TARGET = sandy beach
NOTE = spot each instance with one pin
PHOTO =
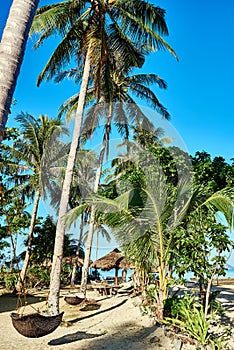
(117, 325)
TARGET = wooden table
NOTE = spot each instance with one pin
(105, 288)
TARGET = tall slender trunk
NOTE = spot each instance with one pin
(97, 239)
(13, 242)
(162, 292)
(20, 284)
(53, 300)
(73, 276)
(12, 48)
(13, 246)
(89, 241)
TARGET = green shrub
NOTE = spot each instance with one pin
(215, 305)
(37, 276)
(190, 318)
(11, 279)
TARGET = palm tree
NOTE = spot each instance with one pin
(94, 31)
(30, 156)
(13, 45)
(125, 111)
(83, 174)
(144, 220)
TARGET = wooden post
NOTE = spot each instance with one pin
(124, 275)
(116, 275)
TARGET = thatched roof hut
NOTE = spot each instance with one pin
(109, 261)
(113, 260)
(125, 264)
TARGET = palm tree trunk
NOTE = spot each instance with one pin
(162, 292)
(53, 300)
(89, 241)
(73, 276)
(97, 239)
(20, 284)
(12, 48)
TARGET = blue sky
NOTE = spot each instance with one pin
(200, 86)
(200, 92)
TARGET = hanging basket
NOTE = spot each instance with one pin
(73, 300)
(35, 325)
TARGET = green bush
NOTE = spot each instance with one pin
(215, 305)
(190, 318)
(11, 279)
(37, 276)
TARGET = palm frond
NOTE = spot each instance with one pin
(146, 79)
(148, 95)
(222, 201)
(74, 214)
(121, 43)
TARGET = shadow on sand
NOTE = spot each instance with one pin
(98, 313)
(120, 340)
(9, 301)
(70, 338)
(112, 342)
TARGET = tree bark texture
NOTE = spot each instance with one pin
(20, 284)
(12, 49)
(89, 241)
(75, 265)
(53, 300)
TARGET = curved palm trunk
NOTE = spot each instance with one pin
(73, 276)
(12, 48)
(53, 300)
(89, 241)
(20, 284)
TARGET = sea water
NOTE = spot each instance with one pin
(188, 276)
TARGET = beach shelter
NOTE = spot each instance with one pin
(125, 265)
(109, 261)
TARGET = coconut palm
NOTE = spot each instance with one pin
(123, 109)
(146, 232)
(83, 174)
(94, 31)
(31, 157)
(13, 46)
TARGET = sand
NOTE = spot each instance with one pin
(117, 325)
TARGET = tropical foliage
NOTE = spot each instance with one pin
(97, 35)
(170, 212)
(149, 217)
(29, 162)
